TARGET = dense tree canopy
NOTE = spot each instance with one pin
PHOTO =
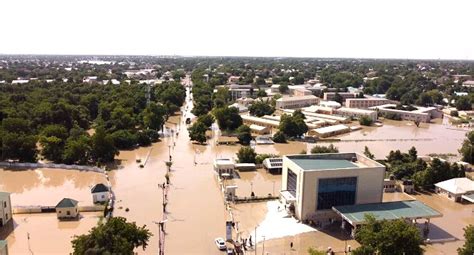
(115, 236)
(246, 155)
(292, 125)
(467, 149)
(468, 247)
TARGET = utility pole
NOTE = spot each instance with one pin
(263, 246)
(255, 240)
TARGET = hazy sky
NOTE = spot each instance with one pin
(332, 28)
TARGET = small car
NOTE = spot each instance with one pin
(220, 243)
(230, 251)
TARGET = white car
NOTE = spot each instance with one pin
(220, 243)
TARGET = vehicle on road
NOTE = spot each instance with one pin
(220, 243)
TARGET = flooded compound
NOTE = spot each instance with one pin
(195, 208)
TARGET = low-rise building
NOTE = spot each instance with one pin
(408, 186)
(100, 193)
(421, 114)
(331, 96)
(302, 92)
(469, 84)
(365, 102)
(331, 104)
(316, 183)
(259, 130)
(224, 166)
(357, 113)
(270, 124)
(390, 184)
(328, 131)
(296, 102)
(5, 208)
(273, 165)
(457, 189)
(67, 208)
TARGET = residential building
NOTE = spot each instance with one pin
(5, 208)
(314, 184)
(67, 208)
(275, 88)
(238, 91)
(357, 113)
(296, 102)
(245, 101)
(233, 79)
(457, 189)
(302, 92)
(90, 79)
(3, 247)
(259, 130)
(273, 165)
(100, 193)
(365, 102)
(408, 186)
(331, 96)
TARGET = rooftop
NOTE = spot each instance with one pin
(330, 129)
(332, 161)
(412, 209)
(457, 185)
(296, 98)
(66, 203)
(99, 188)
(311, 164)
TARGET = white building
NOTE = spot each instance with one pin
(100, 193)
(422, 114)
(315, 183)
(273, 165)
(296, 102)
(5, 208)
(365, 102)
(224, 166)
(457, 189)
(329, 131)
(357, 113)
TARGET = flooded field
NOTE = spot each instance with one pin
(427, 138)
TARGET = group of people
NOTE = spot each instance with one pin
(244, 242)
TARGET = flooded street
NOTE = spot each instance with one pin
(196, 211)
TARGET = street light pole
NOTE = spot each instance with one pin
(255, 240)
(263, 246)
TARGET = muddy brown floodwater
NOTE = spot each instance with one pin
(195, 211)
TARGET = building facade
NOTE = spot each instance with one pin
(364, 103)
(296, 102)
(357, 113)
(5, 208)
(100, 193)
(315, 183)
(67, 208)
(331, 96)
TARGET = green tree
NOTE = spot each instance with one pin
(388, 237)
(463, 103)
(324, 149)
(365, 121)
(468, 247)
(279, 137)
(261, 93)
(244, 134)
(246, 155)
(292, 126)
(228, 118)
(467, 149)
(153, 116)
(260, 108)
(206, 119)
(52, 140)
(367, 153)
(77, 150)
(115, 236)
(102, 146)
(283, 88)
(197, 132)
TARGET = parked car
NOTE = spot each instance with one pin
(230, 251)
(220, 243)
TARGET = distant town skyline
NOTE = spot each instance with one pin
(327, 29)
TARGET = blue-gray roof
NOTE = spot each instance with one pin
(67, 203)
(411, 209)
(323, 164)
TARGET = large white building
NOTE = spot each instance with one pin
(296, 102)
(457, 189)
(316, 183)
(5, 208)
(421, 114)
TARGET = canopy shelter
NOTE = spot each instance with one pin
(411, 209)
(469, 197)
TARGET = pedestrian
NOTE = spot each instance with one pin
(291, 245)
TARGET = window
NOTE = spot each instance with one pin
(291, 182)
(4, 204)
(68, 213)
(336, 191)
